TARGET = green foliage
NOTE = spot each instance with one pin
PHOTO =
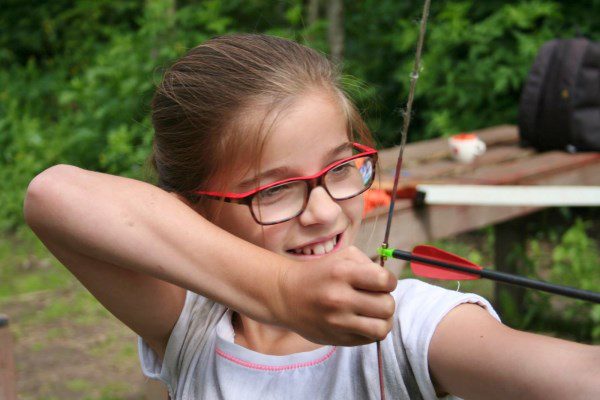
(576, 258)
(576, 262)
(473, 69)
(77, 77)
(475, 59)
(44, 32)
(562, 250)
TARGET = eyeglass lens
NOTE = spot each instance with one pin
(282, 202)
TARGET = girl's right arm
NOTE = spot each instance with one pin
(136, 248)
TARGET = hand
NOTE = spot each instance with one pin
(342, 299)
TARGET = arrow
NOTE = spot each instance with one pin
(431, 262)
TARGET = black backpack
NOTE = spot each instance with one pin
(560, 102)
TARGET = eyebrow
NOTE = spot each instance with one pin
(284, 170)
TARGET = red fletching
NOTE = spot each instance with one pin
(429, 271)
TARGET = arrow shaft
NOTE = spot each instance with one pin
(504, 277)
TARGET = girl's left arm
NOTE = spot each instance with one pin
(473, 356)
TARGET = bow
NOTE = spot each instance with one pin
(404, 134)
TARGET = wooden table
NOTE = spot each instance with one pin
(504, 163)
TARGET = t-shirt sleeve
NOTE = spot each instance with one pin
(420, 308)
(191, 332)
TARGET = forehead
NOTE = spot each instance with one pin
(308, 129)
(296, 138)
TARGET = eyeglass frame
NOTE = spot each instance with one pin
(312, 181)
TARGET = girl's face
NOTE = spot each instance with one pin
(307, 137)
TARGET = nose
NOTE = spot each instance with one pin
(320, 209)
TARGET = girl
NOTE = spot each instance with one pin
(254, 134)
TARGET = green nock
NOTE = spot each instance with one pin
(388, 253)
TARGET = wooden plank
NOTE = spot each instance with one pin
(428, 150)
(530, 168)
(448, 167)
(8, 375)
(440, 171)
(502, 154)
(588, 174)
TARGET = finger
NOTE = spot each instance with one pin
(373, 278)
(373, 305)
(348, 340)
(353, 253)
(371, 329)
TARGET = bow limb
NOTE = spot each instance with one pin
(406, 120)
(404, 134)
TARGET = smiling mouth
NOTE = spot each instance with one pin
(317, 249)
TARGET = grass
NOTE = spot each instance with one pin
(26, 266)
(67, 346)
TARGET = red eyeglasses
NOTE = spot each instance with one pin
(286, 199)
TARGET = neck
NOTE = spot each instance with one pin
(268, 339)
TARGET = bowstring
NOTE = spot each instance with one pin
(414, 76)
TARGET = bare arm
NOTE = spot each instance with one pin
(475, 357)
(136, 247)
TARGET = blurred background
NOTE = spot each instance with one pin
(76, 78)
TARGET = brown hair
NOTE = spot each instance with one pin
(205, 110)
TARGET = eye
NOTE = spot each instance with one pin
(343, 169)
(273, 193)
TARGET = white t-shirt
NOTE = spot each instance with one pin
(203, 362)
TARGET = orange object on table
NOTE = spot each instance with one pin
(375, 198)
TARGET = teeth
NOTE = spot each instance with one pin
(317, 249)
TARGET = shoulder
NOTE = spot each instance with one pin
(413, 294)
(420, 307)
(194, 327)
(411, 287)
(198, 318)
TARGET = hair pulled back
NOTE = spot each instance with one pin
(204, 111)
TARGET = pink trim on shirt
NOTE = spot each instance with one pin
(271, 367)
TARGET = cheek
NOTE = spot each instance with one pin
(353, 209)
(237, 220)
(274, 236)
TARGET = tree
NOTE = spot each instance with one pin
(335, 33)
